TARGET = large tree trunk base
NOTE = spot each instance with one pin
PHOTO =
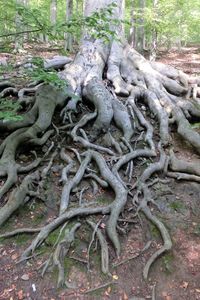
(106, 138)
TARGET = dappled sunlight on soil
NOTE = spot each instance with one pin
(187, 60)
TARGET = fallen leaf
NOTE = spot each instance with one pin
(102, 225)
(125, 297)
(20, 295)
(25, 277)
(164, 294)
(14, 256)
(106, 293)
(115, 277)
(184, 285)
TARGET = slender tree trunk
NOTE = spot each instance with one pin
(19, 38)
(140, 44)
(26, 35)
(68, 36)
(53, 13)
(153, 49)
(132, 33)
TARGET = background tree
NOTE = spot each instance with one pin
(69, 13)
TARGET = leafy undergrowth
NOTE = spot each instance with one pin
(175, 276)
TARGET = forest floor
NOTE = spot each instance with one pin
(175, 276)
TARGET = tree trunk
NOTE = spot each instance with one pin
(132, 34)
(140, 44)
(19, 38)
(68, 36)
(153, 49)
(53, 14)
(127, 107)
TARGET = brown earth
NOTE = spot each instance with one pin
(175, 276)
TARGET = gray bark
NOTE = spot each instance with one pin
(154, 38)
(53, 12)
(140, 43)
(19, 38)
(132, 33)
(68, 36)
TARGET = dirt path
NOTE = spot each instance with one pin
(175, 276)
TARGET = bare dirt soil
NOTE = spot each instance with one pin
(175, 276)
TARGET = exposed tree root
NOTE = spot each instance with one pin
(18, 197)
(183, 166)
(46, 230)
(71, 184)
(100, 287)
(104, 249)
(61, 251)
(165, 236)
(133, 257)
(183, 176)
(108, 142)
(19, 231)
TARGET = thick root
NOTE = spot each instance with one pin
(104, 249)
(144, 84)
(18, 197)
(167, 245)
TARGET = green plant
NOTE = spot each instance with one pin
(9, 109)
(196, 230)
(195, 125)
(49, 77)
(177, 206)
(167, 262)
(154, 231)
(46, 76)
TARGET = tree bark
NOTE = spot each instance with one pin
(18, 39)
(68, 36)
(140, 42)
(53, 12)
(153, 48)
(132, 33)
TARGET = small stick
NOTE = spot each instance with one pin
(154, 292)
(79, 259)
(100, 287)
(20, 231)
(91, 242)
(146, 247)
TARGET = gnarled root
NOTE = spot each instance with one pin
(167, 245)
(46, 230)
(60, 252)
(145, 84)
(179, 165)
(104, 248)
(47, 99)
(18, 197)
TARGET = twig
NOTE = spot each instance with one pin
(154, 292)
(91, 242)
(104, 248)
(100, 287)
(79, 259)
(146, 247)
(20, 231)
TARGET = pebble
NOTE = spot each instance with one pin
(25, 277)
